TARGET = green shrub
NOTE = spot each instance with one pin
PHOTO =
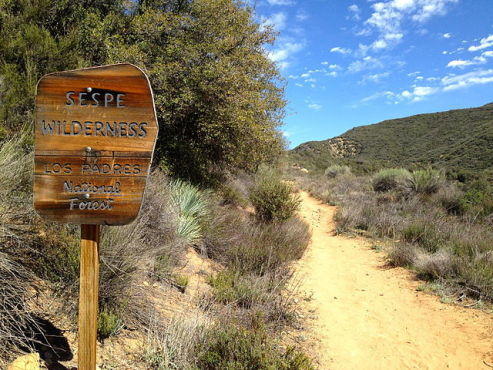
(424, 234)
(231, 287)
(336, 170)
(232, 196)
(272, 198)
(229, 347)
(477, 199)
(390, 179)
(192, 209)
(109, 324)
(180, 281)
(427, 181)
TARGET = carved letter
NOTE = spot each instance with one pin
(119, 100)
(70, 101)
(107, 99)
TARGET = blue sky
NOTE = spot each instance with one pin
(351, 63)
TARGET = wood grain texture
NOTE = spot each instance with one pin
(88, 296)
(97, 128)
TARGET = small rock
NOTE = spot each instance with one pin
(26, 362)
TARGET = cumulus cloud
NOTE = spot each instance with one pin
(484, 43)
(447, 35)
(277, 21)
(387, 18)
(340, 50)
(284, 52)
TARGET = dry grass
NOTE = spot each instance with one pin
(15, 317)
(174, 344)
(151, 250)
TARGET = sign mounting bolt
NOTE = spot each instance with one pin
(88, 148)
(89, 89)
(87, 196)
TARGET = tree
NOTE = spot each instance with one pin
(219, 99)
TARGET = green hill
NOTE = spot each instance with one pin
(455, 139)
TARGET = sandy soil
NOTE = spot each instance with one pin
(368, 316)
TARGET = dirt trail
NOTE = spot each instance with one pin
(368, 316)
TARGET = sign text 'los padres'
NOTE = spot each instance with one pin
(95, 134)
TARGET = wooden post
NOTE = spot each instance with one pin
(88, 296)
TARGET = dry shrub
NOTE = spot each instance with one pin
(337, 170)
(174, 344)
(246, 245)
(15, 318)
(403, 255)
(439, 265)
(268, 294)
(129, 253)
(234, 190)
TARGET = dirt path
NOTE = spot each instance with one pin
(367, 316)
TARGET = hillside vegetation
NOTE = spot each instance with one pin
(457, 140)
(200, 280)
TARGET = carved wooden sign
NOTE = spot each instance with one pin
(95, 132)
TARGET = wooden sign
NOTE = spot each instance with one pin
(95, 133)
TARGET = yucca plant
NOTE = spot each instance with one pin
(192, 209)
(426, 181)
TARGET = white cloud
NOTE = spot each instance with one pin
(355, 11)
(286, 133)
(484, 43)
(277, 21)
(314, 106)
(367, 62)
(340, 50)
(332, 74)
(447, 35)
(479, 77)
(280, 2)
(377, 77)
(284, 52)
(387, 94)
(301, 15)
(416, 94)
(388, 16)
(481, 59)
